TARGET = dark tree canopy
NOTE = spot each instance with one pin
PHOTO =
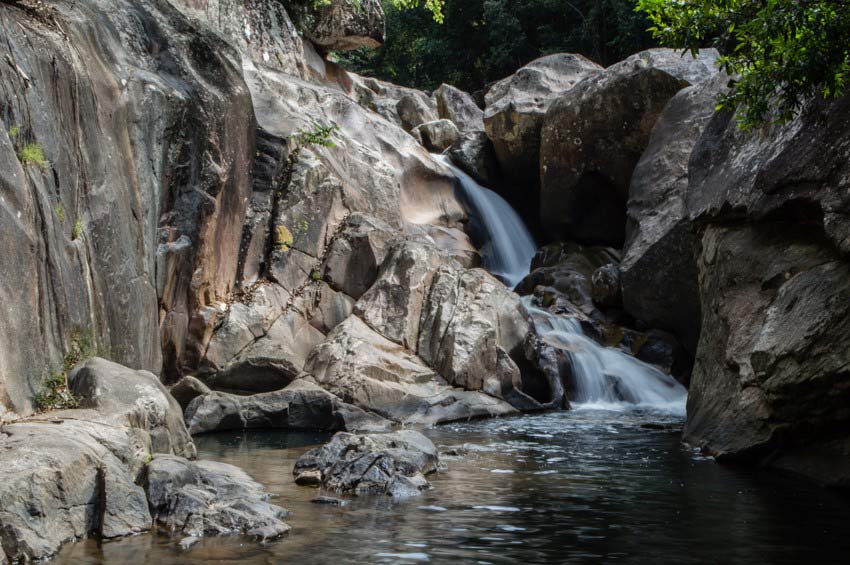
(781, 52)
(480, 41)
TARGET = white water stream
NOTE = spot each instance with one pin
(602, 377)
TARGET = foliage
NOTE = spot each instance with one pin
(78, 230)
(283, 238)
(54, 393)
(14, 132)
(60, 212)
(481, 41)
(315, 275)
(33, 154)
(781, 52)
(321, 135)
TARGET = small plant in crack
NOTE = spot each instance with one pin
(78, 230)
(60, 212)
(33, 154)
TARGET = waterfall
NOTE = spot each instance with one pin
(604, 377)
(508, 248)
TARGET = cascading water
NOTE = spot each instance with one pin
(602, 377)
(509, 247)
(605, 377)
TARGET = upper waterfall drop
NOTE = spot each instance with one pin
(509, 248)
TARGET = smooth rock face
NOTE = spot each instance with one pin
(340, 25)
(300, 406)
(457, 106)
(770, 381)
(202, 498)
(594, 135)
(394, 464)
(659, 274)
(135, 399)
(436, 136)
(188, 389)
(516, 106)
(414, 111)
(367, 370)
(140, 149)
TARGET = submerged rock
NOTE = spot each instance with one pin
(394, 464)
(300, 406)
(204, 498)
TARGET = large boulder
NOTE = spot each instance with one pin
(436, 136)
(516, 106)
(74, 474)
(770, 382)
(203, 498)
(473, 154)
(594, 135)
(134, 399)
(341, 25)
(459, 107)
(659, 274)
(367, 370)
(300, 406)
(394, 464)
(414, 111)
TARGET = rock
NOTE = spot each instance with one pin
(187, 389)
(588, 155)
(472, 331)
(473, 154)
(515, 108)
(74, 475)
(64, 480)
(342, 25)
(606, 290)
(658, 271)
(309, 479)
(203, 498)
(393, 306)
(457, 106)
(675, 62)
(367, 370)
(353, 260)
(135, 399)
(436, 136)
(300, 406)
(770, 379)
(328, 500)
(107, 178)
(394, 464)
(414, 111)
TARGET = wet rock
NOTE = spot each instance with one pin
(473, 154)
(341, 25)
(516, 106)
(394, 464)
(588, 155)
(203, 498)
(300, 406)
(329, 500)
(187, 389)
(606, 290)
(457, 106)
(659, 272)
(436, 136)
(367, 370)
(413, 111)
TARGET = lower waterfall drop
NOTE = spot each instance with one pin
(605, 377)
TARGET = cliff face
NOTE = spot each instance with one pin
(133, 220)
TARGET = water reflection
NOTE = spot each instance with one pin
(583, 486)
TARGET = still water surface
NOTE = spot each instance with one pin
(569, 487)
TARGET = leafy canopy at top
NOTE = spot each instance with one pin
(780, 52)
